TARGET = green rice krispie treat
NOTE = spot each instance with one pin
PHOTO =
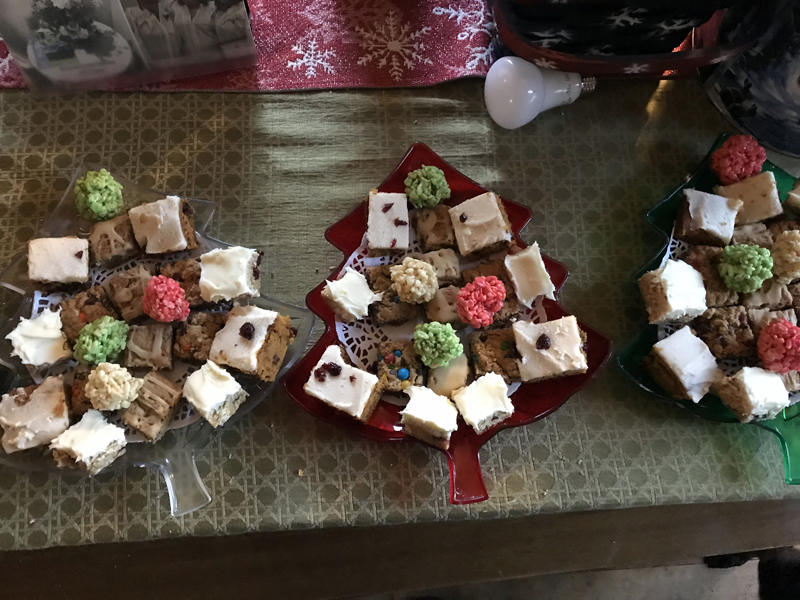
(98, 196)
(427, 187)
(745, 268)
(101, 341)
(437, 344)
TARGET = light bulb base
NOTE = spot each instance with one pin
(588, 84)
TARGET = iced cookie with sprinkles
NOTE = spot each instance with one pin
(342, 386)
(83, 308)
(350, 296)
(154, 407)
(399, 365)
(58, 260)
(112, 239)
(481, 225)
(429, 417)
(387, 223)
(214, 393)
(40, 341)
(149, 346)
(434, 228)
(228, 273)
(194, 337)
(389, 310)
(90, 445)
(164, 226)
(34, 415)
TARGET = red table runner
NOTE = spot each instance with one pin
(322, 44)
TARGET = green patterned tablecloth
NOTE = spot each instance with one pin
(283, 168)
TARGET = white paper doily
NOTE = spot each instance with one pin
(361, 338)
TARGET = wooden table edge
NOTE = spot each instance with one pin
(343, 562)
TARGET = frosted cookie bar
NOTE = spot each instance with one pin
(481, 225)
(58, 260)
(387, 223)
(429, 417)
(706, 218)
(484, 402)
(550, 349)
(90, 445)
(529, 275)
(40, 341)
(342, 386)
(164, 226)
(753, 393)
(673, 292)
(154, 407)
(112, 239)
(759, 195)
(350, 296)
(683, 365)
(34, 415)
(228, 273)
(214, 393)
(253, 341)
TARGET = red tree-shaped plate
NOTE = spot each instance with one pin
(531, 401)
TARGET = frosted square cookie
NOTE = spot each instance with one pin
(429, 417)
(753, 393)
(759, 195)
(350, 296)
(34, 415)
(40, 341)
(683, 365)
(342, 386)
(484, 402)
(214, 393)
(387, 223)
(706, 218)
(673, 292)
(164, 226)
(228, 273)
(550, 349)
(90, 445)
(529, 275)
(481, 225)
(58, 260)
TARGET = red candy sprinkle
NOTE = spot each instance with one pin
(739, 157)
(164, 300)
(779, 346)
(478, 301)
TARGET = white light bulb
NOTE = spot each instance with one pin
(516, 91)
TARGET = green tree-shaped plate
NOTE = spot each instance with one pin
(662, 217)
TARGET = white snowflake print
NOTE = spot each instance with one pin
(626, 17)
(546, 39)
(544, 63)
(393, 43)
(636, 68)
(479, 29)
(666, 27)
(312, 58)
